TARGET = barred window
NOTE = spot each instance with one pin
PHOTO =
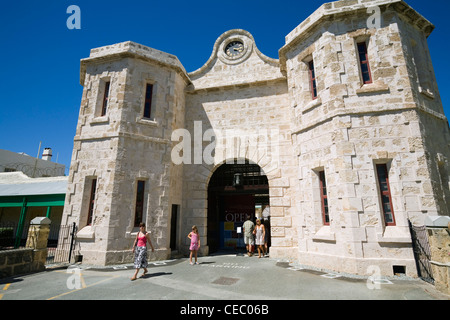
(324, 198)
(385, 193)
(312, 80)
(92, 202)
(139, 211)
(148, 101)
(364, 63)
(105, 99)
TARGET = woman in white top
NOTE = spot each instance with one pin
(260, 233)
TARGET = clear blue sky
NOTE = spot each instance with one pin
(40, 56)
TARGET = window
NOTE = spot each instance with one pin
(105, 98)
(173, 226)
(422, 69)
(364, 63)
(139, 211)
(443, 173)
(148, 101)
(385, 192)
(312, 80)
(91, 202)
(324, 198)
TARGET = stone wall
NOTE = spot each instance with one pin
(351, 127)
(29, 259)
(17, 261)
(122, 147)
(439, 241)
(243, 100)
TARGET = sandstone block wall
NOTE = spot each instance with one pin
(122, 147)
(353, 126)
(439, 240)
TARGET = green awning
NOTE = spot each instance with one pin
(53, 200)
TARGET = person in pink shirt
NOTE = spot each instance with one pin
(195, 244)
(140, 250)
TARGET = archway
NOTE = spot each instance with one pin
(234, 190)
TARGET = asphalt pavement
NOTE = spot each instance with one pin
(222, 277)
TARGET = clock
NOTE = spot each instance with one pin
(234, 48)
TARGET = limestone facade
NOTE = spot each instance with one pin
(241, 96)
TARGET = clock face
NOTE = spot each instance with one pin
(234, 48)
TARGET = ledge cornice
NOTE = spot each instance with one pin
(333, 10)
(131, 49)
(217, 45)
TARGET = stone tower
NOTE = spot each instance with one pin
(133, 99)
(374, 128)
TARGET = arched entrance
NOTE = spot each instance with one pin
(234, 190)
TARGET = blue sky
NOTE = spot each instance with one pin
(39, 82)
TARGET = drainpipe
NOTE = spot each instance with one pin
(49, 211)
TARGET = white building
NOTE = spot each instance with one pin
(344, 136)
(31, 166)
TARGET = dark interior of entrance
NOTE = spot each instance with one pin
(235, 190)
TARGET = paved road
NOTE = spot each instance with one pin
(220, 277)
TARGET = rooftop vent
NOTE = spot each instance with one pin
(47, 154)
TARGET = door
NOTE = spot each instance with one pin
(173, 227)
(236, 209)
(230, 199)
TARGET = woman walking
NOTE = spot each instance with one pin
(140, 250)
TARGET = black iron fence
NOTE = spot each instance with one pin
(63, 250)
(422, 252)
(8, 235)
(61, 242)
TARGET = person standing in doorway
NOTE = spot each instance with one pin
(140, 250)
(266, 223)
(260, 234)
(248, 234)
(195, 244)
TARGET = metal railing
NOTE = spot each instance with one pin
(63, 250)
(60, 245)
(422, 252)
(7, 235)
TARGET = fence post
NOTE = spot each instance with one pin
(37, 239)
(439, 238)
(72, 238)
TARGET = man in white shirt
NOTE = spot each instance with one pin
(248, 235)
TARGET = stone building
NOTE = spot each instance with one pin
(344, 137)
(31, 166)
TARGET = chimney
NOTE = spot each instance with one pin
(47, 154)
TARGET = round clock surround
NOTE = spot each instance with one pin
(235, 48)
